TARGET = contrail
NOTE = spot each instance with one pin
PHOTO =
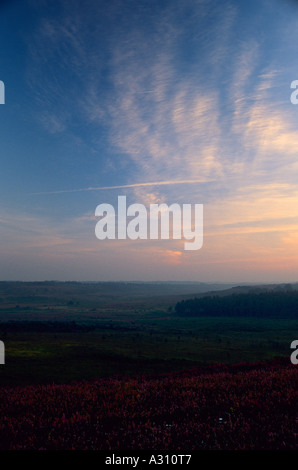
(145, 91)
(135, 185)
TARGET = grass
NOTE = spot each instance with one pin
(134, 331)
(150, 344)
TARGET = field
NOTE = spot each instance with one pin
(102, 360)
(71, 333)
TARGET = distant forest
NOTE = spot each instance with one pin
(261, 305)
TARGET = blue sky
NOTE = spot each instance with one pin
(101, 94)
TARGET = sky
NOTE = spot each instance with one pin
(161, 101)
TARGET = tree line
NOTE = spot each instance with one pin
(262, 305)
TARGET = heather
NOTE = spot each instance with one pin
(245, 406)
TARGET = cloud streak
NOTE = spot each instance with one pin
(126, 186)
(181, 101)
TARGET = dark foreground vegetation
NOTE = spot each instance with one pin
(113, 366)
(225, 407)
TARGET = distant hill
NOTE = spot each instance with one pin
(252, 289)
(274, 301)
(48, 290)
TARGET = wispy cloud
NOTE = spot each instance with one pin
(127, 186)
(190, 110)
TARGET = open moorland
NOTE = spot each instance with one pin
(147, 366)
(60, 332)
